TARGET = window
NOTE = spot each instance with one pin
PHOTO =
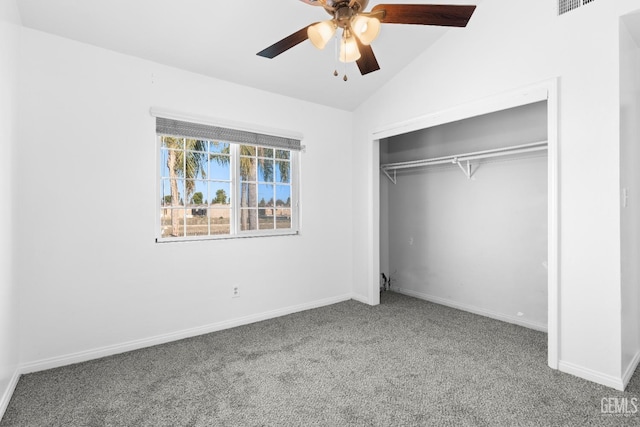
(213, 184)
(565, 6)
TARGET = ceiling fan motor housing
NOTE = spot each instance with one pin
(333, 4)
(344, 10)
(343, 16)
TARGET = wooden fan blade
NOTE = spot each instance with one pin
(285, 44)
(322, 3)
(446, 15)
(313, 2)
(367, 62)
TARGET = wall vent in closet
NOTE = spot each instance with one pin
(565, 6)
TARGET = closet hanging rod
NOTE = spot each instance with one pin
(476, 155)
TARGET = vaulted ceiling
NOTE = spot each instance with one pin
(221, 38)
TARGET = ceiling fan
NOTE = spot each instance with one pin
(360, 28)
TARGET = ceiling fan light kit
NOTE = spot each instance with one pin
(319, 34)
(366, 28)
(360, 29)
(349, 51)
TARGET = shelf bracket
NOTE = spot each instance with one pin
(466, 171)
(391, 178)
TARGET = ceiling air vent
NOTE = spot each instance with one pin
(565, 6)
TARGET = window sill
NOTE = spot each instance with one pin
(242, 235)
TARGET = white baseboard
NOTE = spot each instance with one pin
(6, 395)
(83, 356)
(360, 298)
(476, 310)
(591, 375)
(628, 373)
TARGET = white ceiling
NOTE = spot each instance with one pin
(221, 38)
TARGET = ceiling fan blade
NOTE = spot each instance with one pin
(447, 15)
(367, 62)
(285, 44)
(313, 2)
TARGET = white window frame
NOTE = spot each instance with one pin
(234, 232)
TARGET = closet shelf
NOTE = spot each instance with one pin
(457, 159)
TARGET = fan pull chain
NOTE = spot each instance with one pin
(335, 47)
(345, 59)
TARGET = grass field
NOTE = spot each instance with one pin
(204, 226)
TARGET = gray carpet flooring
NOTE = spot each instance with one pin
(406, 362)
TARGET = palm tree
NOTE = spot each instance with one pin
(248, 171)
(186, 162)
(248, 192)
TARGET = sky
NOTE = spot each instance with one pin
(218, 177)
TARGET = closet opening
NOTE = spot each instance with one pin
(463, 214)
(467, 213)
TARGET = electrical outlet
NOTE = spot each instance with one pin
(235, 291)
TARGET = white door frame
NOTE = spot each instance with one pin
(544, 91)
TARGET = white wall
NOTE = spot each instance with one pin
(478, 244)
(485, 59)
(9, 42)
(630, 184)
(93, 280)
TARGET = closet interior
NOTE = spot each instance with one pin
(463, 214)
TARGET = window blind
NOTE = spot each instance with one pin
(173, 127)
